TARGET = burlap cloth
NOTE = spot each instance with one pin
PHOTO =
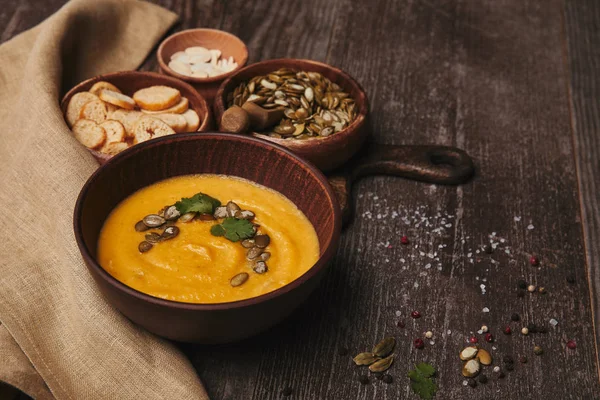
(59, 338)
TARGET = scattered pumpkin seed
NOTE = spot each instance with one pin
(170, 232)
(383, 364)
(153, 220)
(205, 217)
(260, 267)
(239, 279)
(220, 212)
(262, 241)
(232, 208)
(144, 246)
(265, 256)
(140, 226)
(253, 253)
(153, 237)
(245, 214)
(171, 213)
(385, 347)
(187, 217)
(365, 359)
(248, 243)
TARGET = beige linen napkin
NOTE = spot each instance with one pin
(59, 338)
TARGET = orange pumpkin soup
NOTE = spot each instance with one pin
(253, 240)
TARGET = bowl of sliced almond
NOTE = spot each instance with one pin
(110, 113)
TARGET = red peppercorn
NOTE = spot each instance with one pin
(401, 324)
(507, 330)
(419, 344)
(415, 314)
(489, 337)
(404, 240)
(571, 344)
(473, 339)
(534, 261)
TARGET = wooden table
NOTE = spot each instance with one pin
(512, 82)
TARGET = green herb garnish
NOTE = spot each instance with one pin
(421, 382)
(200, 203)
(234, 229)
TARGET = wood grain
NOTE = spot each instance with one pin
(582, 28)
(491, 78)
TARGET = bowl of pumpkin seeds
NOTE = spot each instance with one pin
(324, 109)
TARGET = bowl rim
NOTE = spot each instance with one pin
(328, 252)
(219, 105)
(165, 67)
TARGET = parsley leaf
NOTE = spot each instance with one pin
(200, 203)
(234, 229)
(421, 382)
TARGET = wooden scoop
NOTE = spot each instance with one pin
(249, 116)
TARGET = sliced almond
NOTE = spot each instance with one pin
(468, 353)
(471, 368)
(484, 357)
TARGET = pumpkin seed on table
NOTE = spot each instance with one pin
(385, 347)
(382, 365)
(365, 359)
(153, 220)
(239, 279)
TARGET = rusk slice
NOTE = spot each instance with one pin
(75, 104)
(94, 110)
(113, 148)
(89, 133)
(156, 98)
(128, 119)
(117, 99)
(176, 121)
(178, 108)
(102, 85)
(192, 119)
(149, 127)
(115, 131)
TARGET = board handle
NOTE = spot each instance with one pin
(426, 163)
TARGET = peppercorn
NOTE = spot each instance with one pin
(388, 379)
(288, 391)
(363, 379)
(415, 314)
(542, 290)
(532, 327)
(428, 334)
(489, 337)
(378, 375)
(484, 328)
(401, 324)
(507, 330)
(571, 344)
(483, 378)
(404, 240)
(525, 331)
(508, 360)
(571, 278)
(472, 382)
(515, 317)
(537, 350)
(419, 344)
(523, 360)
(531, 288)
(534, 261)
(488, 249)
(473, 340)
(522, 284)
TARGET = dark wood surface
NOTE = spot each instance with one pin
(514, 84)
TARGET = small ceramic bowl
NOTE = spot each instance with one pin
(228, 44)
(326, 153)
(131, 81)
(183, 154)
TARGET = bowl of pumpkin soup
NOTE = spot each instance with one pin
(207, 238)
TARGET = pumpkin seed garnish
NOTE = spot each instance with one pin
(144, 246)
(220, 212)
(187, 217)
(265, 256)
(248, 243)
(231, 208)
(153, 220)
(365, 359)
(382, 365)
(239, 279)
(260, 267)
(153, 237)
(140, 226)
(385, 347)
(253, 253)
(245, 214)
(171, 213)
(205, 217)
(262, 241)
(170, 232)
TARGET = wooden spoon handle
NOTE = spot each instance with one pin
(434, 164)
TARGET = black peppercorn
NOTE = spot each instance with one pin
(532, 328)
(515, 317)
(488, 249)
(472, 382)
(483, 378)
(571, 278)
(522, 284)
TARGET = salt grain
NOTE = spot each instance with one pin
(553, 322)
(486, 310)
(530, 226)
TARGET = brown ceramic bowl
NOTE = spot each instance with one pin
(326, 153)
(161, 158)
(229, 45)
(131, 81)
